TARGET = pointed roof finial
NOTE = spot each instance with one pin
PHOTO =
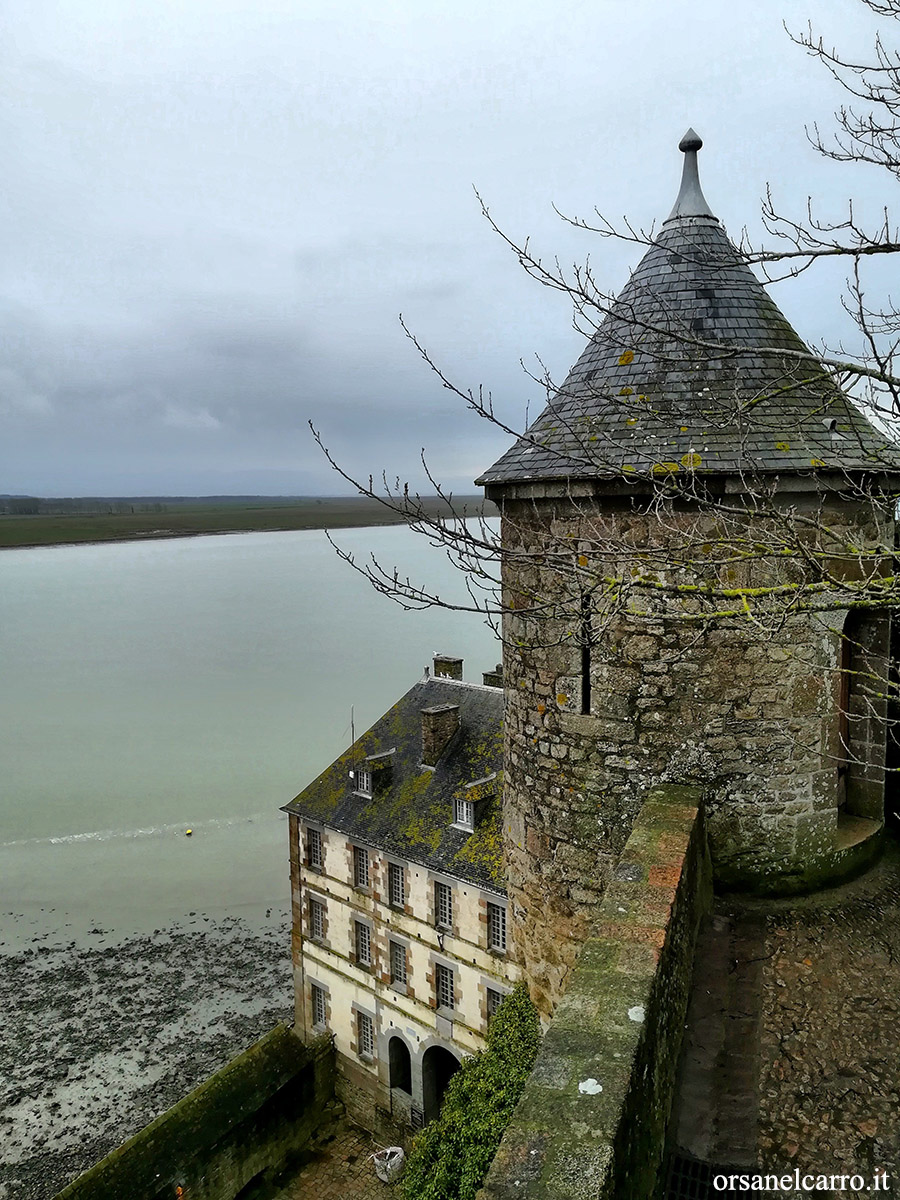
(691, 201)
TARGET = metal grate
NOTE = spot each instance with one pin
(416, 1118)
(688, 1179)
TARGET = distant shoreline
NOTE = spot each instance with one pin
(151, 519)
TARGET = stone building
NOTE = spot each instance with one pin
(696, 425)
(400, 945)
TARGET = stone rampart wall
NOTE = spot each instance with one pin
(592, 1120)
(245, 1122)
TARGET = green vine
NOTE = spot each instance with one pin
(450, 1157)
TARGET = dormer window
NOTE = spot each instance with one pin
(465, 807)
(464, 814)
(364, 782)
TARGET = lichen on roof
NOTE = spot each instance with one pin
(412, 815)
(695, 369)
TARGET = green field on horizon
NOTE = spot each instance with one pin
(187, 517)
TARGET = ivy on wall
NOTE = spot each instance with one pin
(450, 1157)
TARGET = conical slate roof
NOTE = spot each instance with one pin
(694, 369)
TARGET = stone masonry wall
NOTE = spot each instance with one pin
(244, 1123)
(592, 1119)
(749, 715)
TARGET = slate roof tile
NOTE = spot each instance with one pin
(413, 816)
(651, 377)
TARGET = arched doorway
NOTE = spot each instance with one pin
(400, 1065)
(438, 1068)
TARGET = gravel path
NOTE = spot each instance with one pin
(97, 1039)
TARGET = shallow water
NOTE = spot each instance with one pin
(151, 687)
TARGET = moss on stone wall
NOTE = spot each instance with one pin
(592, 1119)
(248, 1118)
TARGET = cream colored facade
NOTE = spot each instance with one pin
(406, 1016)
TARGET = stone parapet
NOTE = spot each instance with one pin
(592, 1120)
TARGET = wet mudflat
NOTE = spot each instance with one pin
(99, 1037)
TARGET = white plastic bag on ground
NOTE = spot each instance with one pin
(389, 1163)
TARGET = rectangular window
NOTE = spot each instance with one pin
(494, 1000)
(318, 1006)
(360, 867)
(314, 848)
(365, 1035)
(465, 813)
(398, 963)
(396, 885)
(316, 920)
(443, 985)
(363, 944)
(364, 782)
(496, 915)
(443, 906)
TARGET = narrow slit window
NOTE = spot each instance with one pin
(586, 654)
(314, 848)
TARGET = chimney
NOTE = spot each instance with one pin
(447, 667)
(439, 724)
(493, 678)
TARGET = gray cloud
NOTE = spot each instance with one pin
(214, 213)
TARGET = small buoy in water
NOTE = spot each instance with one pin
(188, 832)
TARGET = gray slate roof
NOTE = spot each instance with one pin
(413, 817)
(685, 373)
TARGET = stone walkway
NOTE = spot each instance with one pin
(340, 1170)
(792, 1057)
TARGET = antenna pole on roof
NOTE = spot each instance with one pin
(352, 729)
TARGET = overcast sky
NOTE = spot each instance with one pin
(213, 212)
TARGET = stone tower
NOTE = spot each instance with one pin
(697, 443)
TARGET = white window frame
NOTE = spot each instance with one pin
(319, 1002)
(496, 922)
(398, 960)
(364, 781)
(443, 905)
(365, 1035)
(316, 919)
(464, 814)
(445, 986)
(314, 839)
(396, 897)
(362, 940)
(361, 873)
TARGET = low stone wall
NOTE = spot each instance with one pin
(592, 1120)
(246, 1121)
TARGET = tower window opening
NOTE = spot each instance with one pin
(586, 654)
